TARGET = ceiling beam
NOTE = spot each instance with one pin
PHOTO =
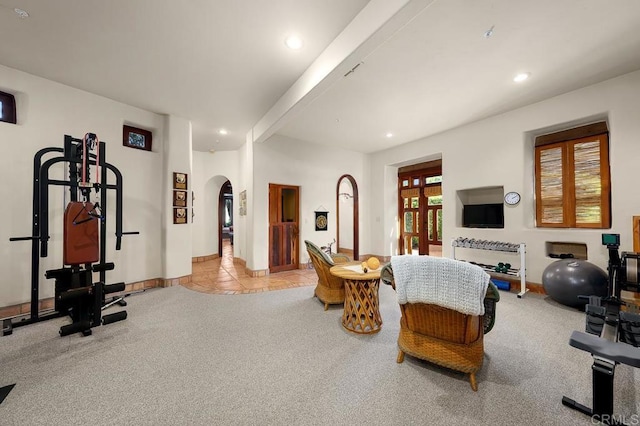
(375, 24)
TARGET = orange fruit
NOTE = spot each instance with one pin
(373, 263)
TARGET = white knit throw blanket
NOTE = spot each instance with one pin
(450, 283)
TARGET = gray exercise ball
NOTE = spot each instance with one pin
(566, 279)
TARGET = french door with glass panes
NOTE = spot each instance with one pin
(421, 211)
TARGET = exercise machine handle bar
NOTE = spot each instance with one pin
(44, 183)
(35, 230)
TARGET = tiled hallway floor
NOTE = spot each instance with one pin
(222, 276)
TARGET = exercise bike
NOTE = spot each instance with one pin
(327, 248)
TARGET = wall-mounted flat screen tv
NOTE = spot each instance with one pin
(483, 216)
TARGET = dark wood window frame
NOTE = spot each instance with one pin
(134, 137)
(8, 102)
(564, 142)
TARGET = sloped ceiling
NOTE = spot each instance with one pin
(425, 66)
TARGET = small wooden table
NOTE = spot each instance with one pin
(361, 308)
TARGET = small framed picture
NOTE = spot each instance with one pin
(136, 138)
(179, 180)
(180, 215)
(179, 198)
(243, 203)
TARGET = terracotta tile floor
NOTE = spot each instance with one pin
(222, 276)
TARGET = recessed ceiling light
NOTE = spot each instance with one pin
(389, 135)
(21, 13)
(521, 77)
(223, 131)
(489, 32)
(293, 42)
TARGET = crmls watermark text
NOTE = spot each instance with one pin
(610, 419)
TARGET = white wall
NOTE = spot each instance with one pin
(500, 154)
(243, 237)
(498, 151)
(177, 243)
(316, 170)
(210, 172)
(46, 112)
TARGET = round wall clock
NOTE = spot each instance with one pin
(512, 198)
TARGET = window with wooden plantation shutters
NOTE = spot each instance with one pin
(550, 175)
(572, 178)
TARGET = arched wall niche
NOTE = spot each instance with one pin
(347, 201)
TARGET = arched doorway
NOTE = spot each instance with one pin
(225, 216)
(347, 198)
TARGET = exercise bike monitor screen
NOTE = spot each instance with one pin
(611, 240)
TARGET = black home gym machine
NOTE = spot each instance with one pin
(612, 335)
(84, 237)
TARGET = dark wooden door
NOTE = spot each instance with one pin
(284, 207)
(420, 209)
(432, 227)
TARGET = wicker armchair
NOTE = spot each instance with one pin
(443, 336)
(330, 289)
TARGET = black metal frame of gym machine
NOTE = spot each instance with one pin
(40, 227)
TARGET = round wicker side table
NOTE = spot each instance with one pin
(361, 308)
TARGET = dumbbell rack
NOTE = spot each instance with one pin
(497, 246)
